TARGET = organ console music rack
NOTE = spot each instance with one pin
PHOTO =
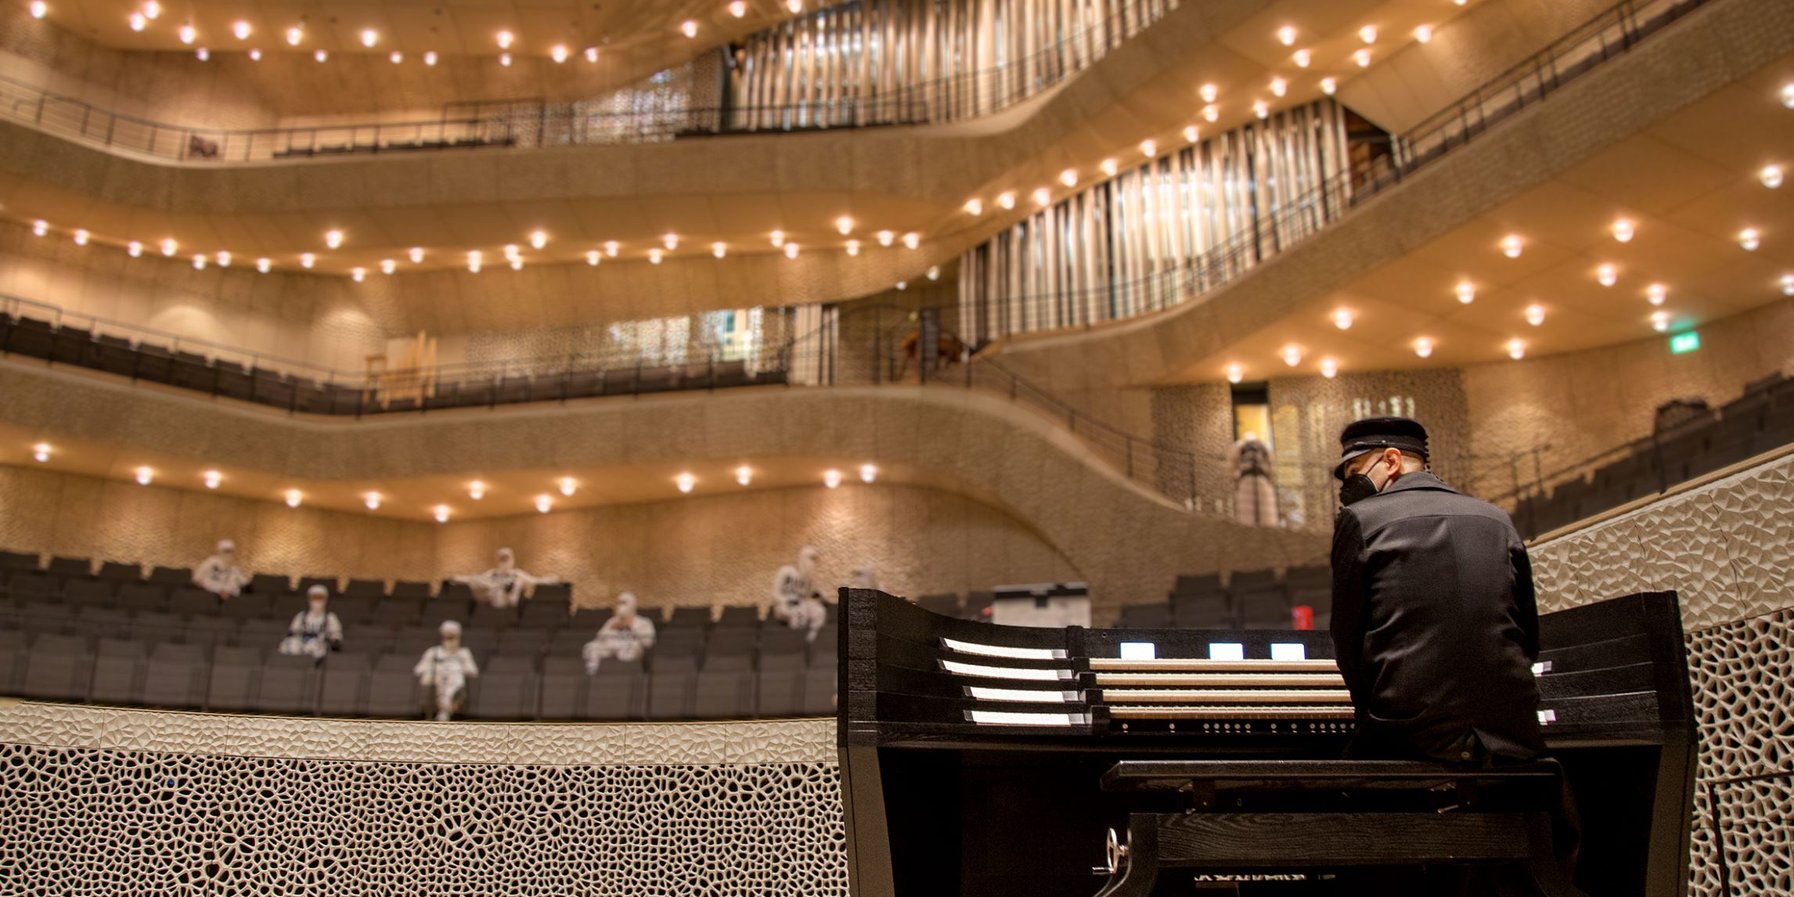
(972, 754)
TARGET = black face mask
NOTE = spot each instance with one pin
(1356, 488)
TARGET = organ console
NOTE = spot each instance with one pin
(973, 755)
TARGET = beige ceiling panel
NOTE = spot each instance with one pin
(1729, 128)
(1648, 176)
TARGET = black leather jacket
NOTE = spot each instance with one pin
(1436, 625)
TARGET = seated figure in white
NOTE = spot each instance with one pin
(622, 637)
(219, 574)
(505, 584)
(314, 631)
(794, 597)
(443, 671)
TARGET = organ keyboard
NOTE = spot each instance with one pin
(972, 754)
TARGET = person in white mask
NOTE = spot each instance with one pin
(505, 584)
(219, 574)
(794, 597)
(443, 671)
(314, 631)
(622, 637)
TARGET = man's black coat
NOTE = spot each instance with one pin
(1436, 625)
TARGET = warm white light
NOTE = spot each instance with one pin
(612, 247)
(80, 237)
(1235, 373)
(790, 250)
(295, 34)
(1292, 355)
(223, 258)
(1607, 274)
(902, 285)
(1329, 86)
(868, 473)
(1623, 229)
(333, 238)
(133, 249)
(416, 254)
(1342, 318)
(1466, 292)
(1423, 347)
(655, 254)
(795, 6)
(1749, 239)
(138, 22)
(144, 475)
(1286, 35)
(1005, 200)
(1788, 95)
(41, 452)
(1368, 34)
(912, 240)
(567, 486)
(1788, 284)
(592, 257)
(1041, 196)
(504, 39)
(686, 482)
(1535, 315)
(321, 55)
(670, 241)
(537, 238)
(934, 272)
(358, 273)
(688, 28)
(1656, 293)
(1279, 87)
(211, 478)
(187, 33)
(202, 54)
(718, 249)
(1362, 57)
(1516, 349)
(1208, 92)
(40, 227)
(199, 261)
(1511, 245)
(1191, 135)
(169, 246)
(1660, 321)
(1261, 109)
(293, 497)
(744, 475)
(853, 247)
(974, 207)
(1069, 177)
(504, 59)
(738, 8)
(591, 54)
(544, 502)
(1302, 58)
(831, 478)
(516, 263)
(441, 513)
(1771, 176)
(264, 264)
(1424, 34)
(1149, 148)
(430, 57)
(778, 238)
(241, 29)
(844, 225)
(255, 55)
(1109, 167)
(558, 53)
(473, 260)
(396, 57)
(369, 37)
(476, 490)
(387, 266)
(39, 9)
(1329, 368)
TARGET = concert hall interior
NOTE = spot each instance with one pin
(885, 444)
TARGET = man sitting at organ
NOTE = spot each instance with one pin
(314, 631)
(505, 584)
(622, 637)
(443, 671)
(794, 598)
(219, 574)
(1434, 618)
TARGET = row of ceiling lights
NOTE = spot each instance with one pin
(685, 482)
(1512, 246)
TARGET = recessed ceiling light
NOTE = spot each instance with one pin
(1261, 109)
(1660, 321)
(1149, 148)
(1362, 57)
(744, 475)
(1109, 167)
(441, 513)
(40, 227)
(429, 57)
(670, 241)
(516, 263)
(655, 254)
(1624, 229)
(738, 8)
(689, 28)
(169, 246)
(1209, 92)
(387, 266)
(295, 34)
(844, 225)
(568, 486)
(790, 249)
(544, 502)
(1302, 58)
(1465, 291)
(212, 479)
(241, 29)
(321, 55)
(358, 274)
(686, 482)
(202, 54)
(80, 237)
(1424, 34)
(1607, 274)
(369, 37)
(199, 261)
(476, 490)
(1368, 34)
(41, 452)
(416, 254)
(1788, 95)
(1329, 86)
(1329, 368)
(505, 38)
(138, 22)
(934, 272)
(538, 238)
(504, 59)
(1286, 35)
(143, 475)
(1771, 176)
(293, 497)
(223, 258)
(1535, 314)
(264, 265)
(39, 9)
(1788, 284)
(1342, 318)
(868, 473)
(1279, 87)
(718, 249)
(1042, 196)
(558, 53)
(1005, 200)
(591, 54)
(1656, 293)
(974, 207)
(1516, 349)
(1292, 355)
(612, 247)
(1511, 245)
(474, 259)
(396, 57)
(592, 256)
(134, 249)
(853, 247)
(831, 478)
(255, 55)
(1190, 136)
(912, 240)
(1750, 239)
(1423, 347)
(1235, 373)
(1069, 177)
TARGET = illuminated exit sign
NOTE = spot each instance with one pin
(1683, 343)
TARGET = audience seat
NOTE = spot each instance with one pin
(89, 592)
(288, 684)
(171, 576)
(619, 691)
(342, 684)
(193, 601)
(392, 689)
(408, 590)
(364, 588)
(542, 613)
(1145, 616)
(507, 689)
(57, 667)
(32, 585)
(672, 687)
(738, 616)
(12, 659)
(233, 678)
(11, 561)
(563, 692)
(104, 622)
(118, 667)
(115, 572)
(69, 568)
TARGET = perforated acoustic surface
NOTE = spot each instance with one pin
(110, 802)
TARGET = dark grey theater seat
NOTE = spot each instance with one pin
(392, 690)
(507, 689)
(57, 667)
(619, 691)
(233, 678)
(175, 675)
(12, 659)
(288, 685)
(118, 666)
(563, 692)
(671, 685)
(342, 685)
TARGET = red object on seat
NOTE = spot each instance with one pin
(1301, 617)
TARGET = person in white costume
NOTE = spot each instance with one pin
(219, 574)
(503, 585)
(443, 671)
(314, 631)
(622, 637)
(794, 597)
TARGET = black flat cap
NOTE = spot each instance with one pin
(1377, 433)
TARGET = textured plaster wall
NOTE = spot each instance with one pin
(700, 550)
(1578, 405)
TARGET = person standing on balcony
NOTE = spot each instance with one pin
(505, 584)
(443, 672)
(219, 574)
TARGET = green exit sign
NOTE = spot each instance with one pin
(1683, 343)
